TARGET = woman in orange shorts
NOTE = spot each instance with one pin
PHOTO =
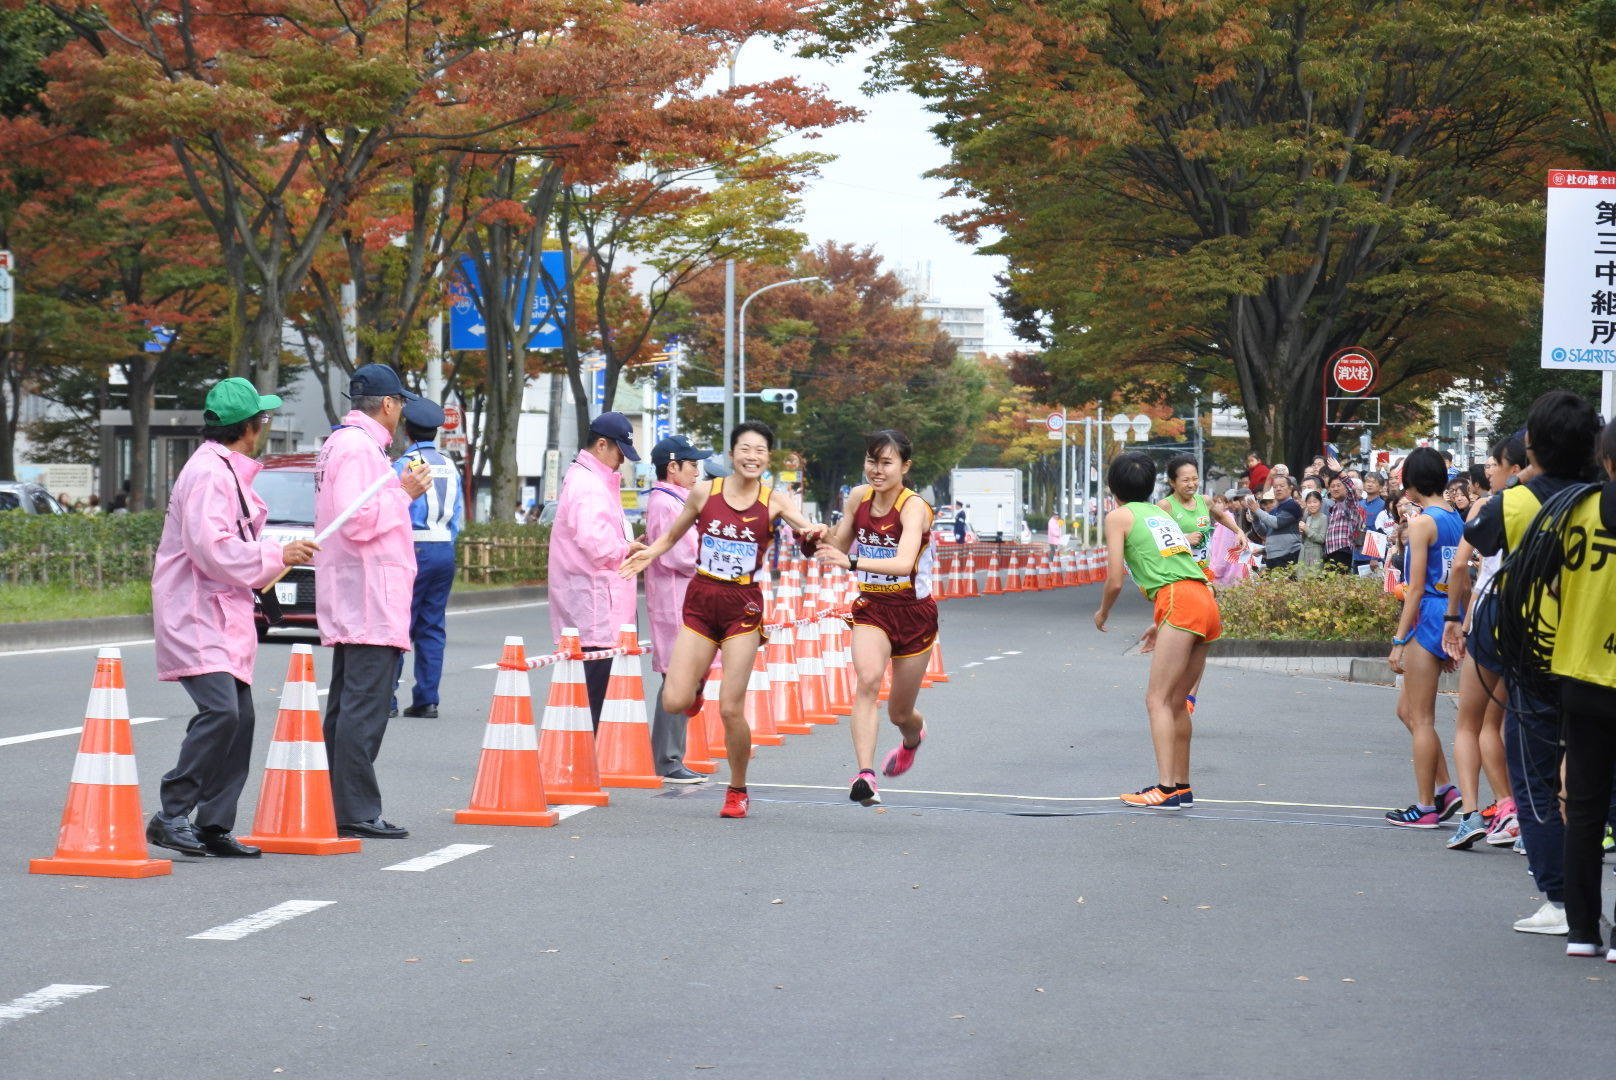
(723, 612)
(884, 537)
(1147, 539)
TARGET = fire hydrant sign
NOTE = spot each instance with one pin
(1579, 272)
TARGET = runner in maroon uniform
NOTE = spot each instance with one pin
(884, 537)
(724, 607)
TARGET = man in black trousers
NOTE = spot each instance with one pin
(365, 578)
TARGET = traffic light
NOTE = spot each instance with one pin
(785, 398)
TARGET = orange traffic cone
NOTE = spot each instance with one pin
(623, 743)
(995, 585)
(295, 815)
(760, 706)
(811, 672)
(968, 580)
(1012, 575)
(698, 740)
(102, 833)
(567, 737)
(934, 665)
(785, 692)
(509, 789)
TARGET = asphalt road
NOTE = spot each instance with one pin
(1001, 915)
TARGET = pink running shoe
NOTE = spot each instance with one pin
(863, 789)
(902, 759)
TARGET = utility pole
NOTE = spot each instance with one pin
(729, 306)
(675, 354)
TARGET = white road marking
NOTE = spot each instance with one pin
(422, 863)
(57, 733)
(571, 810)
(78, 648)
(148, 641)
(47, 997)
(993, 658)
(263, 920)
(1012, 652)
(1070, 798)
(499, 607)
(485, 667)
(974, 663)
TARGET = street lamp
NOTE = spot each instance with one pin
(741, 391)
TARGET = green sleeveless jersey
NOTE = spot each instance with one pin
(1194, 519)
(1155, 550)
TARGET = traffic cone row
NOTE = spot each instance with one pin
(801, 679)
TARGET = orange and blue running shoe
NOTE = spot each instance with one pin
(1154, 797)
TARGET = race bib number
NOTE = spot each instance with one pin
(1168, 537)
(1203, 550)
(1447, 567)
(875, 551)
(731, 560)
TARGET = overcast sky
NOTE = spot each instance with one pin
(874, 193)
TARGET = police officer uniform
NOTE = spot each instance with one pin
(436, 519)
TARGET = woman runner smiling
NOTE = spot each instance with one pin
(724, 607)
(884, 537)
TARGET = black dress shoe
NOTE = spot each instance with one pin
(175, 834)
(392, 712)
(376, 829)
(219, 842)
(429, 712)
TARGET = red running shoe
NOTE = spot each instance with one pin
(735, 804)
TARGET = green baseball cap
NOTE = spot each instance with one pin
(233, 400)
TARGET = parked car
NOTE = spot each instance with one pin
(28, 497)
(286, 484)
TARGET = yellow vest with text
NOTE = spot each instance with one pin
(1521, 505)
(1585, 641)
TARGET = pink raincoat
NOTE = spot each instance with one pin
(202, 580)
(667, 579)
(587, 545)
(365, 570)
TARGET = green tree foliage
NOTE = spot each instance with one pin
(861, 357)
(1227, 191)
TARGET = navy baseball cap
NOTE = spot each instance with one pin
(677, 448)
(615, 426)
(423, 413)
(378, 380)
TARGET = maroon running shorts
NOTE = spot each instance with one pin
(911, 625)
(719, 610)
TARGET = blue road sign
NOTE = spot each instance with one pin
(466, 327)
(663, 426)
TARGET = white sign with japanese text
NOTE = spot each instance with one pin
(1579, 271)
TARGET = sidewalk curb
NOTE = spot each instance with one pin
(1263, 647)
(104, 628)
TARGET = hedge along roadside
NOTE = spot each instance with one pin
(1320, 607)
(102, 551)
(80, 550)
